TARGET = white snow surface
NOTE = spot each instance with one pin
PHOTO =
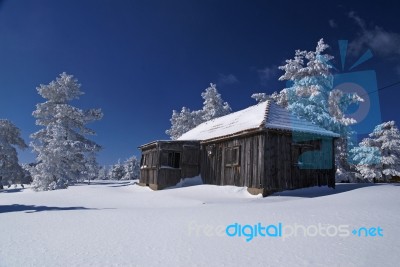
(122, 224)
(251, 118)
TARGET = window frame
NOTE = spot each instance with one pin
(148, 160)
(302, 147)
(232, 156)
(173, 159)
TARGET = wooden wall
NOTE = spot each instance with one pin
(247, 172)
(267, 160)
(282, 155)
(159, 173)
(149, 173)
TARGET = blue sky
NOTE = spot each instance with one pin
(139, 60)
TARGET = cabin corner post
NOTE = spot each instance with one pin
(153, 187)
(263, 191)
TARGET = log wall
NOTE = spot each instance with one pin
(248, 170)
(157, 171)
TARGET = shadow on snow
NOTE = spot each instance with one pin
(107, 182)
(33, 209)
(14, 190)
(323, 191)
(122, 184)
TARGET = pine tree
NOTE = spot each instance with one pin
(378, 157)
(183, 122)
(117, 171)
(92, 167)
(10, 138)
(61, 145)
(103, 173)
(260, 97)
(311, 83)
(311, 97)
(132, 169)
(27, 167)
(213, 107)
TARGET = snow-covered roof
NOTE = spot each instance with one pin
(265, 115)
(282, 119)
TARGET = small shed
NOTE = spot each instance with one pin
(262, 147)
(164, 163)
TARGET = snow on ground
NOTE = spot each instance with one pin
(122, 224)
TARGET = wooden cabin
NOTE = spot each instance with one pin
(164, 163)
(262, 147)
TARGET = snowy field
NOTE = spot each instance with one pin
(122, 224)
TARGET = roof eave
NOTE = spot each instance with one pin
(333, 135)
(237, 134)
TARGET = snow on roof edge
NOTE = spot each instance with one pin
(300, 130)
(164, 141)
(264, 115)
(281, 118)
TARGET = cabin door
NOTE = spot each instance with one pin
(231, 166)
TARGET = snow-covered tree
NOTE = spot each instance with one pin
(61, 146)
(378, 157)
(339, 102)
(260, 97)
(213, 107)
(311, 97)
(182, 122)
(132, 169)
(103, 173)
(117, 171)
(10, 138)
(92, 167)
(308, 95)
(27, 167)
(280, 98)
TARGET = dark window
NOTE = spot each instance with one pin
(142, 160)
(299, 148)
(148, 160)
(174, 159)
(232, 156)
(171, 159)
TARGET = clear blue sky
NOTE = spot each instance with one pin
(139, 60)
